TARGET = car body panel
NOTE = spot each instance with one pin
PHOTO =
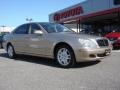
(20, 43)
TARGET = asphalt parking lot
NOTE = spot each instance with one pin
(34, 73)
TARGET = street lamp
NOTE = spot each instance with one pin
(3, 26)
(29, 20)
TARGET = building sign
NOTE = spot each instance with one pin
(69, 13)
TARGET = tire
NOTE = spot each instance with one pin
(65, 57)
(10, 51)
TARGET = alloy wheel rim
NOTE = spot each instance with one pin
(64, 56)
(10, 51)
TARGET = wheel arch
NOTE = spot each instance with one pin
(62, 43)
(9, 43)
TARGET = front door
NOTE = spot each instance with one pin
(36, 41)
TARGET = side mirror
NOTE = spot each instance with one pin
(38, 32)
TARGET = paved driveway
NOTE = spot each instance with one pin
(33, 73)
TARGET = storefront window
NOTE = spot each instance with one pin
(116, 2)
(86, 29)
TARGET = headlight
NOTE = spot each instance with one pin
(87, 43)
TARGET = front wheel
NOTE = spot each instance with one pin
(65, 56)
(10, 51)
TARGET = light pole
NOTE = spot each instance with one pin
(29, 20)
(3, 26)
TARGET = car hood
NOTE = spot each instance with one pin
(74, 35)
(113, 35)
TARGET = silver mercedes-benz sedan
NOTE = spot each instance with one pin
(55, 41)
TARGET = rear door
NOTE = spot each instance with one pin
(20, 38)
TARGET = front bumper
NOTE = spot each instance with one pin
(83, 55)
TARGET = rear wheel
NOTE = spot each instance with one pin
(65, 56)
(10, 51)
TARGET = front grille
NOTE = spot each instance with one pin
(103, 42)
(100, 55)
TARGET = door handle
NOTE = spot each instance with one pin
(34, 39)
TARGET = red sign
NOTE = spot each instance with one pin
(69, 13)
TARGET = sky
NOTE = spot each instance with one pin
(14, 12)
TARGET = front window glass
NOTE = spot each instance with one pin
(34, 27)
(55, 28)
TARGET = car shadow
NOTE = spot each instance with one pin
(4, 55)
(86, 64)
(48, 62)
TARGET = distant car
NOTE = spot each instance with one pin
(1, 38)
(55, 41)
(114, 37)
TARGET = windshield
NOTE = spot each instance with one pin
(55, 28)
